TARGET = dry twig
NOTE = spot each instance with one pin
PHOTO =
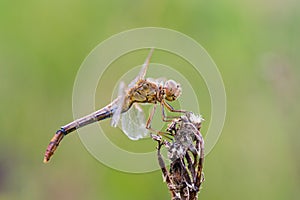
(186, 155)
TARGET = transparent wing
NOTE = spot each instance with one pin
(118, 110)
(143, 71)
(134, 123)
(158, 81)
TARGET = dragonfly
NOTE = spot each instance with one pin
(125, 106)
(185, 174)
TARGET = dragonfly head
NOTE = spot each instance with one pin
(172, 90)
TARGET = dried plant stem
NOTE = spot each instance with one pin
(186, 154)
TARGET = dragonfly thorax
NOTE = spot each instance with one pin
(144, 92)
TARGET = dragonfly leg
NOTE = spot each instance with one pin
(148, 125)
(171, 109)
(163, 115)
(162, 133)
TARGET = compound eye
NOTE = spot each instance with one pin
(172, 89)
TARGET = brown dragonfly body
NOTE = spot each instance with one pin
(141, 91)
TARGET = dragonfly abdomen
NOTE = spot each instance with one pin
(101, 114)
(59, 135)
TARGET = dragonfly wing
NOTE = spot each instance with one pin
(143, 71)
(158, 81)
(146, 65)
(118, 110)
(134, 123)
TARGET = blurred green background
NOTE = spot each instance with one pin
(254, 43)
